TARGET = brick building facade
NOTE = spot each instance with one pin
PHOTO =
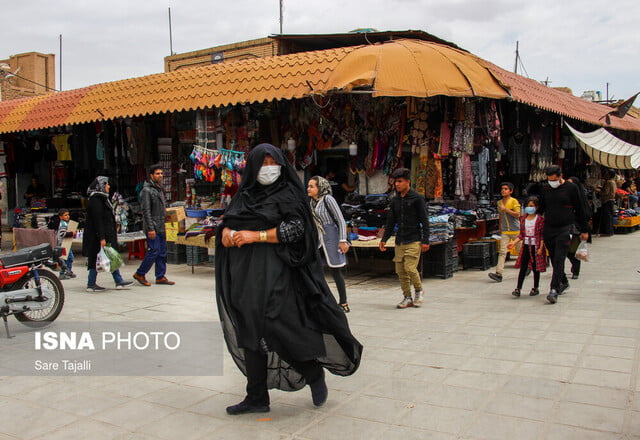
(36, 75)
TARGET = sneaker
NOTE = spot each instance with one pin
(516, 293)
(552, 297)
(419, 298)
(496, 277)
(71, 274)
(95, 288)
(64, 276)
(406, 302)
(141, 279)
(534, 291)
(245, 407)
(123, 284)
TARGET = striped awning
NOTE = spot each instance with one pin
(606, 149)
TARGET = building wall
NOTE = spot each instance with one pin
(261, 47)
(34, 66)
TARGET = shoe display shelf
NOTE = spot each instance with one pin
(441, 260)
(476, 255)
(493, 248)
(176, 253)
(196, 255)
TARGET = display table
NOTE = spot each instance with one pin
(381, 264)
(134, 241)
(483, 228)
(197, 240)
(627, 224)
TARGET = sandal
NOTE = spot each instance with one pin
(516, 293)
(345, 307)
(534, 291)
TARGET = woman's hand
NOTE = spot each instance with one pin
(510, 245)
(344, 247)
(227, 240)
(240, 238)
(540, 251)
(103, 243)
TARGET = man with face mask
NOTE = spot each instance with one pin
(561, 206)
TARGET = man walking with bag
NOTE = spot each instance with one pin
(153, 218)
(561, 205)
(408, 211)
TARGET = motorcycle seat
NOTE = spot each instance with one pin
(28, 255)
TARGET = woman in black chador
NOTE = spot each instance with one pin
(281, 323)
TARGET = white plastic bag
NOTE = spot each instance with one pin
(102, 262)
(582, 253)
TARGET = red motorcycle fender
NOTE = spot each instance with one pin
(12, 274)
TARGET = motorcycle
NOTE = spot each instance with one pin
(33, 294)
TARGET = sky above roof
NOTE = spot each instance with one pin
(570, 43)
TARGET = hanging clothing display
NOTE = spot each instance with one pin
(518, 154)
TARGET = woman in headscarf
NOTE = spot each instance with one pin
(332, 231)
(280, 321)
(99, 231)
(575, 235)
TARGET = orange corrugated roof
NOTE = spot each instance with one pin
(245, 81)
(258, 80)
(533, 93)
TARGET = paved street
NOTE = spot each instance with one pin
(472, 363)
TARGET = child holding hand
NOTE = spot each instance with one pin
(532, 254)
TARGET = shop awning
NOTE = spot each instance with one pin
(414, 68)
(395, 68)
(536, 94)
(236, 82)
(606, 149)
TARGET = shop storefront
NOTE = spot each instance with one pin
(460, 140)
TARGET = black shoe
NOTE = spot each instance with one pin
(575, 276)
(245, 408)
(319, 392)
(563, 287)
(552, 297)
(516, 293)
(534, 291)
(496, 277)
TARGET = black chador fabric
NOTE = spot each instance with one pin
(272, 297)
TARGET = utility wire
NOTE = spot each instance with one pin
(28, 80)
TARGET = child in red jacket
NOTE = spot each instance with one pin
(532, 253)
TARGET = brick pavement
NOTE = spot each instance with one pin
(472, 363)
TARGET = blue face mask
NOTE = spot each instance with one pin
(530, 209)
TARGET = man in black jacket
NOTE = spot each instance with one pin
(153, 218)
(408, 211)
(561, 206)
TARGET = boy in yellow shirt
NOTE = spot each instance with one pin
(509, 211)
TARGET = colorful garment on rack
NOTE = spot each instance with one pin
(61, 142)
(435, 185)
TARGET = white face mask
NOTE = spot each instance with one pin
(268, 174)
(554, 183)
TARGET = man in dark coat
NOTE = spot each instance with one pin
(153, 219)
(562, 207)
(409, 212)
(281, 323)
(99, 231)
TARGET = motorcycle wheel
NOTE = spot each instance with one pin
(43, 317)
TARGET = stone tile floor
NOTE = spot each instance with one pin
(472, 363)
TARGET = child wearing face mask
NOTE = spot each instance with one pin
(532, 254)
